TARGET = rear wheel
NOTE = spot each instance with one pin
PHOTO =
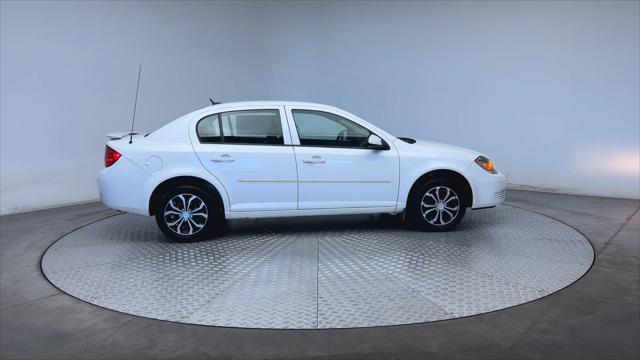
(437, 205)
(187, 213)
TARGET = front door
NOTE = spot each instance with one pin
(250, 152)
(335, 167)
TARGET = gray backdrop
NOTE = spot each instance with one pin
(550, 90)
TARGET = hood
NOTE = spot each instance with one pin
(434, 149)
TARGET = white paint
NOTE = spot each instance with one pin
(240, 167)
(346, 178)
(260, 180)
(549, 89)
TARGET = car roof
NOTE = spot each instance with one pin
(269, 103)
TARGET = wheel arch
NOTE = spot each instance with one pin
(456, 176)
(205, 185)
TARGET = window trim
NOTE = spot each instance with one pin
(219, 116)
(385, 144)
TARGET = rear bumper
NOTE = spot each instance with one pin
(121, 187)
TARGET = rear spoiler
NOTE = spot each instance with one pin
(119, 135)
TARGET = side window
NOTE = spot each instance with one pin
(261, 127)
(208, 129)
(319, 128)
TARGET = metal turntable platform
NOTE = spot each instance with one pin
(321, 272)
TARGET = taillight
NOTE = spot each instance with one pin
(110, 156)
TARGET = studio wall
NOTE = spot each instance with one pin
(549, 89)
(69, 72)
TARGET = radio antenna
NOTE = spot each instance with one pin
(135, 104)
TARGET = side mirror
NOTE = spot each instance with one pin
(375, 142)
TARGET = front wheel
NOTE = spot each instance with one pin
(187, 213)
(437, 205)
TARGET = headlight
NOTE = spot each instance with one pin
(486, 164)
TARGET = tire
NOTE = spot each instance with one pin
(201, 220)
(437, 205)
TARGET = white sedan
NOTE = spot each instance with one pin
(271, 159)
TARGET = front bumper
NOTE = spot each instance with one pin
(489, 189)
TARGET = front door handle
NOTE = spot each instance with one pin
(314, 160)
(224, 158)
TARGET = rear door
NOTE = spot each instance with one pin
(249, 150)
(335, 169)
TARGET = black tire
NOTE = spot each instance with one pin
(187, 228)
(440, 216)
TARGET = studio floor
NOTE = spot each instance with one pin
(598, 316)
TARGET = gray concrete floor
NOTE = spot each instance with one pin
(596, 317)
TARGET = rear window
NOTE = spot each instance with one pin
(262, 127)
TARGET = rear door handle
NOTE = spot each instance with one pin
(314, 160)
(224, 158)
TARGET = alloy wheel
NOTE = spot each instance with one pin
(440, 206)
(185, 214)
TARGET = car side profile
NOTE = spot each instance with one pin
(275, 159)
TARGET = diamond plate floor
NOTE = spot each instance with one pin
(321, 272)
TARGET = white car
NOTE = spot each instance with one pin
(273, 159)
